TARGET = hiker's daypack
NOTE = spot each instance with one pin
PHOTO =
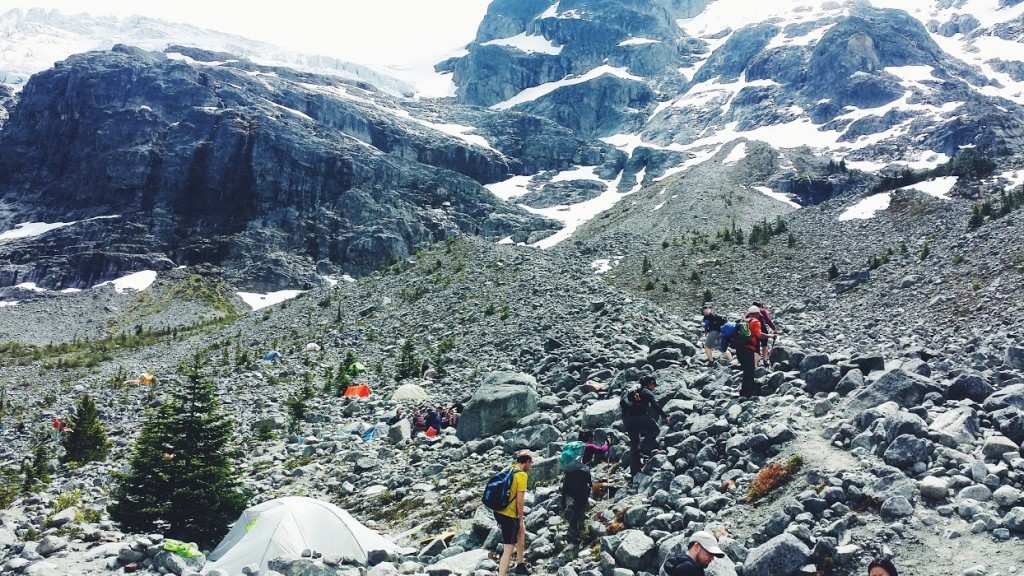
(630, 401)
(742, 337)
(571, 452)
(498, 491)
(713, 322)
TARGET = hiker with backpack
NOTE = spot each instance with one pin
(766, 324)
(748, 334)
(712, 334)
(593, 453)
(641, 427)
(576, 485)
(725, 336)
(505, 495)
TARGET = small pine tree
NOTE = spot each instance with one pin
(37, 472)
(350, 364)
(833, 271)
(791, 240)
(86, 441)
(408, 364)
(182, 482)
(976, 219)
(707, 296)
(296, 413)
(924, 253)
(645, 267)
(343, 382)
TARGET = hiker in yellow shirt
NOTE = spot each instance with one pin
(512, 519)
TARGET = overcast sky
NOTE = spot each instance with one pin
(370, 32)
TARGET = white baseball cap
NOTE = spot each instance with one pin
(708, 542)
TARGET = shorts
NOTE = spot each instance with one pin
(711, 339)
(763, 340)
(509, 528)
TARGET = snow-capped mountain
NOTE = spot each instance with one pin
(33, 40)
(908, 82)
(561, 107)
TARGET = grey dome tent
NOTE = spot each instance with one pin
(287, 526)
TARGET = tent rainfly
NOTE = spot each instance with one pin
(409, 392)
(287, 526)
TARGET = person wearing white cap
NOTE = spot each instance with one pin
(746, 352)
(700, 552)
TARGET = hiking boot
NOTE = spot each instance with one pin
(711, 364)
(522, 568)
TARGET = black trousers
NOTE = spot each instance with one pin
(643, 439)
(746, 357)
(576, 511)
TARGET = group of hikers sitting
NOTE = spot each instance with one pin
(427, 419)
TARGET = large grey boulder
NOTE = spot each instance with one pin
(399, 431)
(635, 550)
(959, 426)
(532, 437)
(1014, 358)
(970, 385)
(51, 544)
(906, 450)
(501, 400)
(673, 342)
(905, 388)
(822, 379)
(781, 556)
(995, 446)
(1014, 519)
(851, 381)
(601, 414)
(1010, 396)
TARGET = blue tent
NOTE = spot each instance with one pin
(272, 356)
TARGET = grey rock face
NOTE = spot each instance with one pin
(498, 403)
(370, 185)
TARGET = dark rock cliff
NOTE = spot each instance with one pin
(231, 164)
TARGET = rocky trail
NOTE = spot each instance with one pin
(904, 452)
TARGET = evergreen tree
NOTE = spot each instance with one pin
(86, 441)
(408, 365)
(833, 271)
(37, 472)
(296, 413)
(182, 482)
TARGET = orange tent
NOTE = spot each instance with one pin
(359, 390)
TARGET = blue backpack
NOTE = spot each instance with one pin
(497, 492)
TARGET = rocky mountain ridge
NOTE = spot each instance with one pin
(569, 104)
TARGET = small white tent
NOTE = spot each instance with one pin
(287, 526)
(409, 392)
